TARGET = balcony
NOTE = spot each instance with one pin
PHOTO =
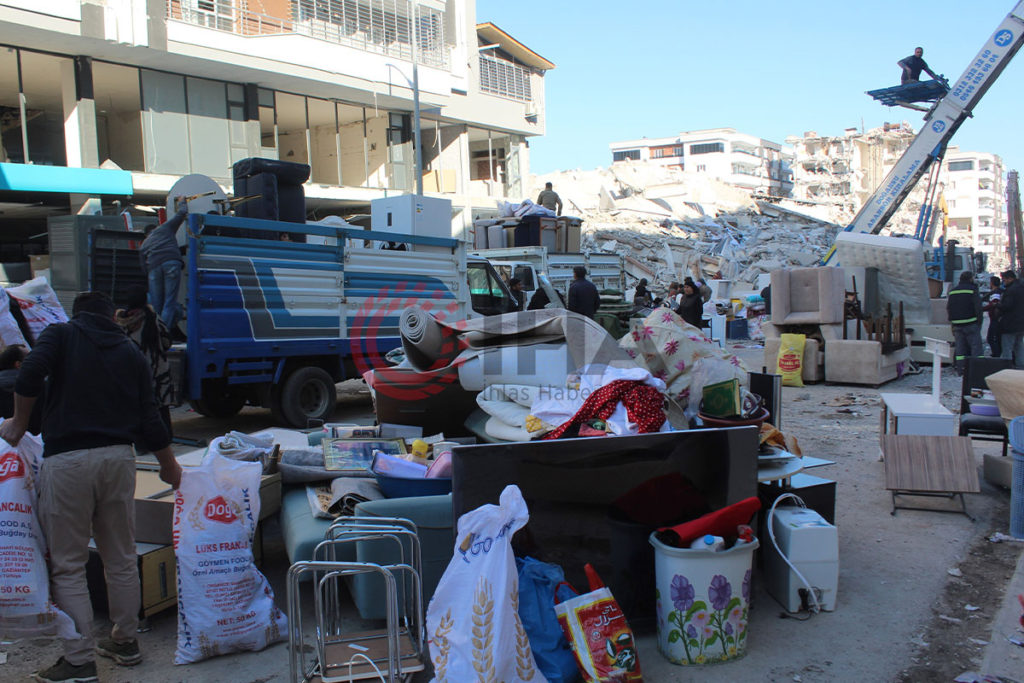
(378, 26)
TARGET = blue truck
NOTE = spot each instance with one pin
(278, 312)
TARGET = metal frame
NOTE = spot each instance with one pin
(393, 653)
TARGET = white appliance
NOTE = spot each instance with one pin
(812, 545)
(411, 214)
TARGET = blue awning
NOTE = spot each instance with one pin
(32, 178)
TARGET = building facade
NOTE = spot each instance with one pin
(975, 191)
(738, 159)
(105, 101)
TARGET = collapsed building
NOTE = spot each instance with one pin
(667, 224)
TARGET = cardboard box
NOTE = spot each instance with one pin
(154, 505)
(39, 262)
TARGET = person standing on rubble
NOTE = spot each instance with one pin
(1011, 319)
(994, 336)
(964, 309)
(550, 200)
(583, 296)
(98, 403)
(691, 306)
(913, 66)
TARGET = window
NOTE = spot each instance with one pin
(708, 148)
(701, 168)
(633, 154)
(666, 151)
(961, 166)
(504, 78)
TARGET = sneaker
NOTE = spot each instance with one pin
(66, 672)
(124, 654)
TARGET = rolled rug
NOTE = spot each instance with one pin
(428, 344)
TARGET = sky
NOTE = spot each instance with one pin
(654, 68)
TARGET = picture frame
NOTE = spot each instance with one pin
(355, 456)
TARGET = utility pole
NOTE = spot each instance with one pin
(1013, 223)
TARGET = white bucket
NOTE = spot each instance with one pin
(703, 602)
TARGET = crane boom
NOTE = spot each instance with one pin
(941, 122)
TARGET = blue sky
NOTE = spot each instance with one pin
(653, 68)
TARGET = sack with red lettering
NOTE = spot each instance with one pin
(473, 622)
(25, 606)
(224, 603)
(600, 637)
(38, 304)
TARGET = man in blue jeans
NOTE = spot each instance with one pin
(162, 263)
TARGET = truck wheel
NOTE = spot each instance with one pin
(219, 405)
(308, 394)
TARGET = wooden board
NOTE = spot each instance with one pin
(933, 464)
(373, 644)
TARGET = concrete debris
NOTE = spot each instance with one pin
(955, 571)
(669, 226)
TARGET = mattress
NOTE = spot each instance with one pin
(901, 271)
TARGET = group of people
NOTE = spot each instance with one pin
(1005, 308)
(686, 299)
(91, 382)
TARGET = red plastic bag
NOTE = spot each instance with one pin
(601, 639)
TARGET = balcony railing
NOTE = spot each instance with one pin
(379, 26)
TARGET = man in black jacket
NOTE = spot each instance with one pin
(99, 402)
(1011, 318)
(583, 296)
(964, 309)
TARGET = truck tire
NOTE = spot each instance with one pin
(218, 405)
(308, 394)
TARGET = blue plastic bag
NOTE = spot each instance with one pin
(551, 651)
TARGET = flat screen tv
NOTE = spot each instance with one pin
(597, 499)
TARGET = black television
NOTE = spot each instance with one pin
(597, 499)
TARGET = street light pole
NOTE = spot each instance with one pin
(417, 151)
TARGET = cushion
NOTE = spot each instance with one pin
(807, 296)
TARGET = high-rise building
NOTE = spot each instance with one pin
(738, 159)
(975, 192)
(115, 100)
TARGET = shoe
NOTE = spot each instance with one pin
(124, 654)
(66, 672)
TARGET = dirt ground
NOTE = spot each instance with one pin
(922, 594)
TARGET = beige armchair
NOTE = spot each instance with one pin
(808, 296)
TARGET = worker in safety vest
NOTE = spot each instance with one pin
(964, 309)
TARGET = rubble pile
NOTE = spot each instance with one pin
(668, 225)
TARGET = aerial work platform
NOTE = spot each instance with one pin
(918, 91)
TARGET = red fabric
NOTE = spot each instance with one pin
(643, 406)
(718, 523)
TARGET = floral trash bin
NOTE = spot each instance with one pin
(703, 602)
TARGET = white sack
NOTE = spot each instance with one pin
(25, 606)
(473, 620)
(38, 304)
(224, 603)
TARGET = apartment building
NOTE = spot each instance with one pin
(106, 103)
(975, 193)
(738, 159)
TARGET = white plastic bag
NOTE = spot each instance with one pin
(224, 603)
(25, 606)
(10, 333)
(38, 304)
(473, 619)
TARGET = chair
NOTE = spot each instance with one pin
(981, 427)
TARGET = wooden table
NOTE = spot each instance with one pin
(918, 465)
